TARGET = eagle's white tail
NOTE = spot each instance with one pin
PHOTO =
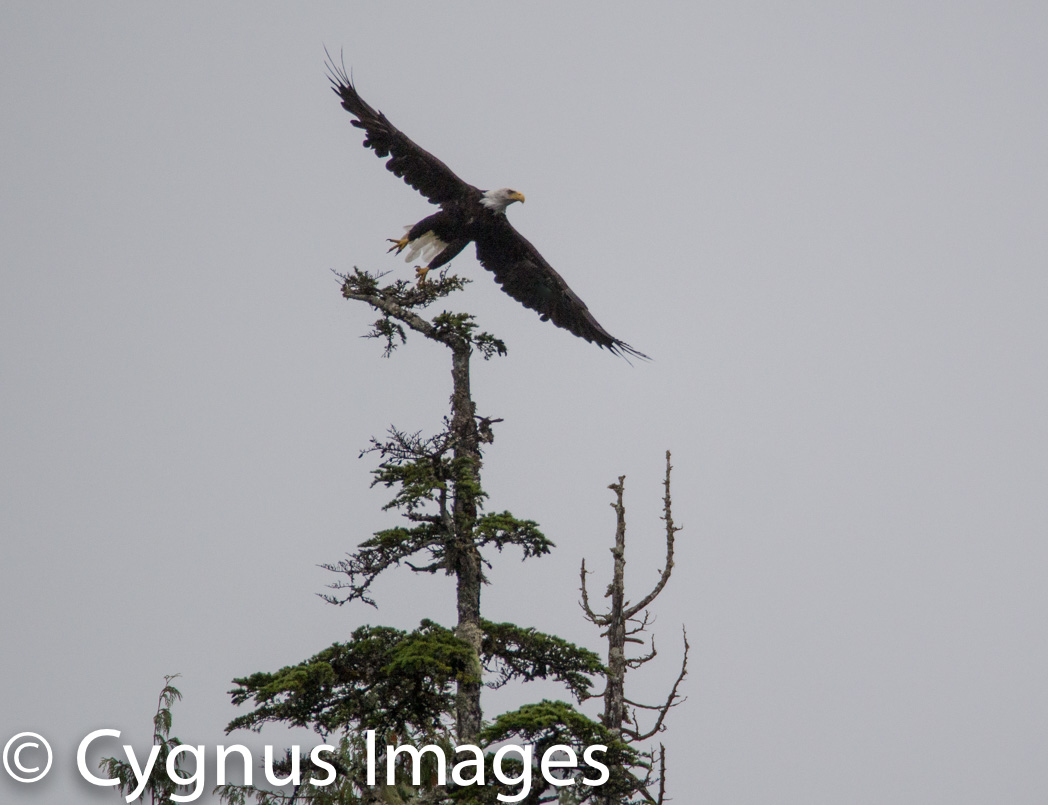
(424, 248)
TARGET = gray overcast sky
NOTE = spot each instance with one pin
(824, 221)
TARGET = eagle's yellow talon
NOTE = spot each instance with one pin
(420, 274)
(398, 245)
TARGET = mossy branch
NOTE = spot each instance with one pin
(400, 299)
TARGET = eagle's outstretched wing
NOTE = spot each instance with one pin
(416, 166)
(518, 267)
(525, 275)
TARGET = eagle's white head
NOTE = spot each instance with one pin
(498, 200)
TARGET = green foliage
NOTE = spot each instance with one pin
(502, 529)
(383, 679)
(426, 476)
(420, 468)
(389, 331)
(401, 298)
(545, 724)
(463, 325)
(159, 786)
(553, 723)
(517, 653)
(401, 682)
(345, 790)
(409, 295)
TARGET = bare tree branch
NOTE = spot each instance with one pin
(671, 530)
(673, 699)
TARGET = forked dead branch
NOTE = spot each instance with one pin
(620, 626)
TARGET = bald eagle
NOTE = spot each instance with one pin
(466, 215)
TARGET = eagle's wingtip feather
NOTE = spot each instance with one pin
(624, 351)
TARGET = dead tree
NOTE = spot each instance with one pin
(620, 626)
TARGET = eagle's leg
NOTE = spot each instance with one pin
(398, 245)
(447, 253)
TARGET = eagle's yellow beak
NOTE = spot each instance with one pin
(517, 196)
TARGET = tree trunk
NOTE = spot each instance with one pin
(614, 697)
(464, 556)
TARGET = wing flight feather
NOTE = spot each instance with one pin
(416, 166)
(525, 275)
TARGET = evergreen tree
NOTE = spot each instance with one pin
(422, 688)
(158, 786)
